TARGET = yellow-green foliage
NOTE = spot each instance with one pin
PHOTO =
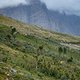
(32, 53)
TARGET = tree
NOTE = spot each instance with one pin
(60, 50)
(39, 52)
(13, 31)
(65, 50)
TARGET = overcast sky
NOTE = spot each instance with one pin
(6, 3)
(69, 6)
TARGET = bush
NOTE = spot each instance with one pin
(5, 59)
(65, 50)
(60, 50)
(8, 37)
(70, 60)
(13, 31)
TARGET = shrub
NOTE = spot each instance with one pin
(65, 50)
(60, 50)
(8, 37)
(5, 59)
(13, 31)
(70, 60)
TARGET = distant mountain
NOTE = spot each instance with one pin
(37, 13)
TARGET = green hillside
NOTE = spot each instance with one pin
(28, 52)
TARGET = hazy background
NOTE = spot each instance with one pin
(68, 6)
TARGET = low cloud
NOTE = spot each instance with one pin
(69, 6)
(7, 3)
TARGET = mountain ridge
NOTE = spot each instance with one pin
(37, 13)
(34, 29)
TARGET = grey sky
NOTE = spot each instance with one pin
(69, 6)
(6, 3)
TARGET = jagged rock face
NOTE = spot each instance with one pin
(20, 12)
(38, 14)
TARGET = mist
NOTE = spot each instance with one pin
(68, 6)
(10, 3)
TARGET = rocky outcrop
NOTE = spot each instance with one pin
(37, 13)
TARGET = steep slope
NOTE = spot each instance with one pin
(38, 14)
(65, 23)
(33, 29)
(30, 53)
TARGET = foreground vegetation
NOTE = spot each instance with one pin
(26, 54)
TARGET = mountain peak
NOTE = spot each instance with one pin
(34, 1)
(38, 14)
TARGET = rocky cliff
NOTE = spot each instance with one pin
(37, 13)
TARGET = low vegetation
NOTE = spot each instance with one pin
(33, 56)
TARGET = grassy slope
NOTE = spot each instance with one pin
(18, 55)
